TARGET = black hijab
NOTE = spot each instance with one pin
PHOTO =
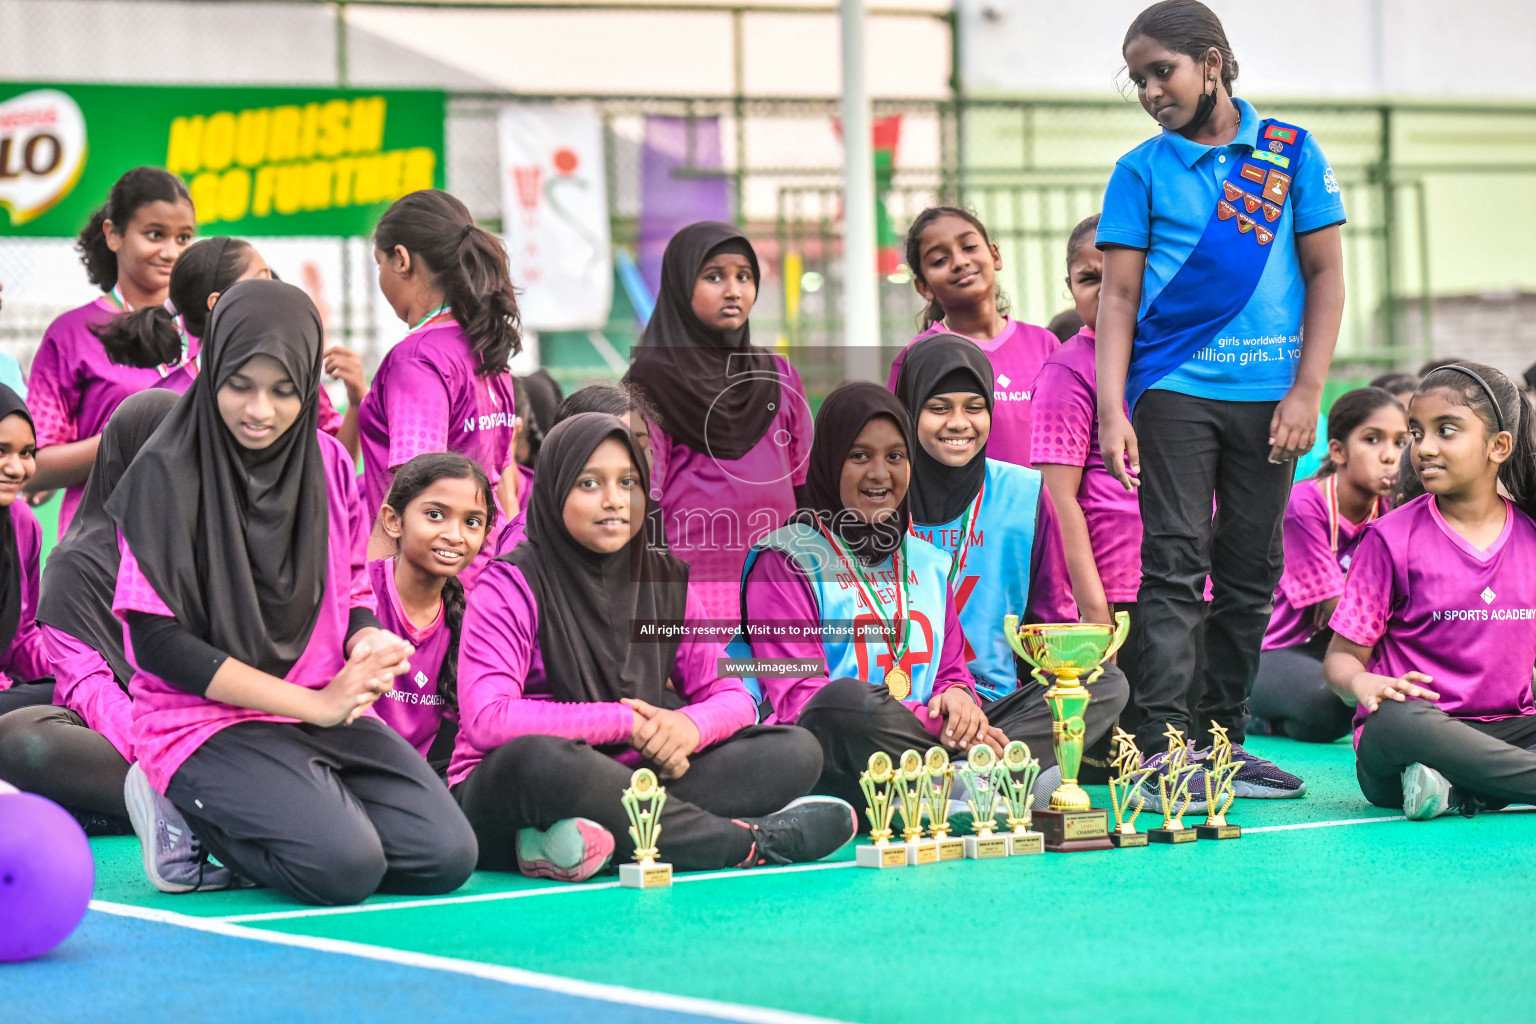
(10, 559)
(684, 368)
(235, 541)
(81, 575)
(838, 424)
(590, 602)
(942, 364)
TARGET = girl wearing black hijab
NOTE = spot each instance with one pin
(562, 680)
(244, 585)
(25, 678)
(734, 425)
(998, 525)
(76, 751)
(849, 561)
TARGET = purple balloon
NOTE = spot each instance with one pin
(46, 875)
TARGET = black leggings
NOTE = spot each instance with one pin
(327, 816)
(535, 781)
(1290, 694)
(1494, 761)
(50, 751)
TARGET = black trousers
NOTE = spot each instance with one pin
(1495, 761)
(50, 751)
(1290, 694)
(852, 720)
(1194, 450)
(535, 781)
(326, 816)
(26, 695)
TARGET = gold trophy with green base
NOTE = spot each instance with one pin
(911, 798)
(1069, 652)
(1218, 789)
(1016, 774)
(940, 782)
(981, 774)
(1125, 790)
(878, 782)
(1173, 790)
(643, 801)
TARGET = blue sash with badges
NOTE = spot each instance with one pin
(1222, 271)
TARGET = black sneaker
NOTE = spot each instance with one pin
(805, 830)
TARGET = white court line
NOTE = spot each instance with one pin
(1322, 824)
(515, 894)
(490, 972)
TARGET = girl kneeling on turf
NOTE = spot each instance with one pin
(244, 585)
(561, 690)
(1435, 635)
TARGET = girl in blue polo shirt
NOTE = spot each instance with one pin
(1221, 254)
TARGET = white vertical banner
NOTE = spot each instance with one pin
(554, 198)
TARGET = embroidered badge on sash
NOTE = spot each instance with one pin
(1276, 147)
(1232, 192)
(1264, 237)
(1274, 131)
(1245, 224)
(1271, 212)
(1252, 203)
(1252, 173)
(1225, 210)
(1274, 158)
(1276, 185)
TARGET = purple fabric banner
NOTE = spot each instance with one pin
(669, 202)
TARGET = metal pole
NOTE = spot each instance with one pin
(861, 306)
(342, 72)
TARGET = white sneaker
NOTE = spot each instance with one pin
(570, 850)
(173, 858)
(1426, 793)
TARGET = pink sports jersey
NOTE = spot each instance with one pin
(1314, 572)
(73, 387)
(426, 397)
(1065, 432)
(776, 591)
(25, 660)
(169, 724)
(83, 683)
(500, 667)
(1425, 600)
(413, 708)
(715, 510)
(1016, 356)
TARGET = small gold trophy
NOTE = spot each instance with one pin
(939, 783)
(1173, 790)
(981, 774)
(878, 783)
(1016, 774)
(643, 801)
(912, 797)
(1125, 788)
(1218, 789)
(1069, 652)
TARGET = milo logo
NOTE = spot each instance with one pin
(42, 152)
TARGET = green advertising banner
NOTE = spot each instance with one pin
(258, 161)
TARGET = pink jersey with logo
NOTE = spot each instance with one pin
(501, 677)
(1065, 432)
(73, 387)
(413, 708)
(1425, 600)
(1016, 356)
(427, 397)
(25, 660)
(169, 724)
(83, 683)
(715, 510)
(1314, 572)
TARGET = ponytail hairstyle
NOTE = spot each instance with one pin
(410, 480)
(139, 187)
(1188, 27)
(147, 337)
(470, 265)
(914, 256)
(1501, 406)
(1349, 411)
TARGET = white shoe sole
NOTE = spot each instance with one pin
(1247, 791)
(140, 799)
(1426, 793)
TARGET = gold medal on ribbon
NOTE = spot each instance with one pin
(899, 683)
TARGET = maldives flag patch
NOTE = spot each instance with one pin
(1286, 135)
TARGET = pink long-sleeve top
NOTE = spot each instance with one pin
(25, 659)
(501, 679)
(776, 590)
(83, 683)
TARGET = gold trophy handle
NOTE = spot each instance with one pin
(1122, 630)
(1011, 631)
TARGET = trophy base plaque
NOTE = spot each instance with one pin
(1074, 831)
(892, 855)
(1022, 844)
(921, 851)
(1219, 831)
(645, 876)
(1172, 835)
(1121, 840)
(985, 847)
(951, 848)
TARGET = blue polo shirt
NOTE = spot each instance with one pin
(1160, 198)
